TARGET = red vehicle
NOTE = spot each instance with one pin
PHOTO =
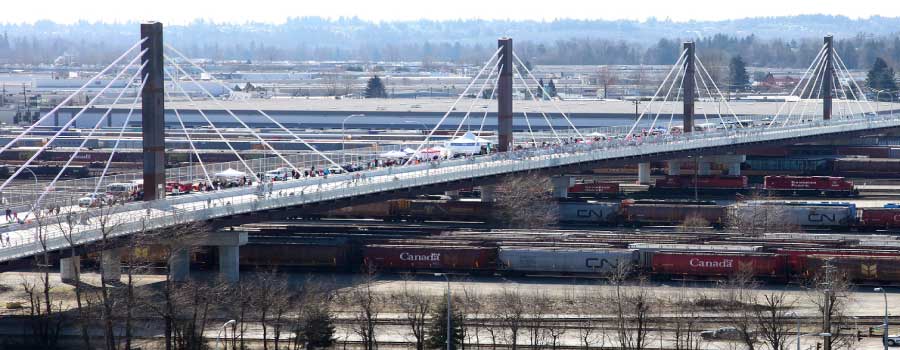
(718, 264)
(702, 182)
(880, 218)
(175, 188)
(828, 186)
(412, 258)
(594, 189)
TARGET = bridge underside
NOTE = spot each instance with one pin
(303, 210)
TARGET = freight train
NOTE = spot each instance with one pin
(778, 263)
(636, 213)
(822, 186)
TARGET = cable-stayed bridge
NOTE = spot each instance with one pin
(829, 104)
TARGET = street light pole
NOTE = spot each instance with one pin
(343, 131)
(884, 339)
(449, 309)
(224, 326)
(795, 315)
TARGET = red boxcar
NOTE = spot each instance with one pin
(884, 218)
(718, 264)
(863, 268)
(706, 182)
(421, 257)
(810, 185)
(595, 188)
(796, 258)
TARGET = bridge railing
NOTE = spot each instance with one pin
(135, 217)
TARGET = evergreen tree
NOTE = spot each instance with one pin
(881, 77)
(737, 74)
(437, 332)
(318, 328)
(375, 88)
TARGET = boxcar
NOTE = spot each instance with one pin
(420, 257)
(538, 260)
(672, 213)
(333, 255)
(860, 268)
(880, 218)
(717, 264)
(600, 213)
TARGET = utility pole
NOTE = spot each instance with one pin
(828, 305)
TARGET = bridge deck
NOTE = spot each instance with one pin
(141, 216)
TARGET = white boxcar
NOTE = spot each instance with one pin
(803, 214)
(538, 260)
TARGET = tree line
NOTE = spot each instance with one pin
(557, 42)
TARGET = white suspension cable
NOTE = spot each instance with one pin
(709, 93)
(490, 98)
(534, 98)
(705, 117)
(260, 111)
(463, 94)
(37, 203)
(661, 85)
(674, 104)
(69, 98)
(861, 93)
(71, 120)
(668, 92)
(815, 74)
(212, 125)
(807, 101)
(190, 141)
(548, 95)
(721, 96)
(474, 100)
(480, 92)
(530, 131)
(121, 132)
(213, 98)
(815, 62)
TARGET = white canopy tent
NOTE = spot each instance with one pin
(466, 144)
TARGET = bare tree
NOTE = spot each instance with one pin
(772, 318)
(738, 305)
(269, 295)
(632, 306)
(367, 305)
(526, 201)
(510, 310)
(757, 217)
(415, 308)
(588, 306)
(67, 226)
(685, 321)
(473, 313)
(538, 305)
(830, 292)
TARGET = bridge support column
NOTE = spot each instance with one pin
(828, 77)
(180, 264)
(644, 173)
(69, 268)
(452, 194)
(111, 265)
(704, 168)
(674, 167)
(153, 112)
(228, 244)
(487, 193)
(734, 169)
(688, 87)
(504, 96)
(561, 186)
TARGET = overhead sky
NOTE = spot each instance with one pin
(275, 11)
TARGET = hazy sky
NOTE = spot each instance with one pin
(182, 11)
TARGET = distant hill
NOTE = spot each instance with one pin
(459, 40)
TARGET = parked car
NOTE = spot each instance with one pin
(175, 188)
(724, 333)
(94, 200)
(893, 340)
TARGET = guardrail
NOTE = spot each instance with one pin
(59, 231)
